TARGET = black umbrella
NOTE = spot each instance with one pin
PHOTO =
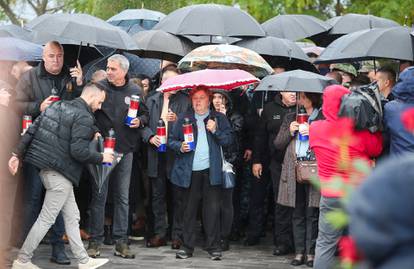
(295, 27)
(210, 20)
(205, 40)
(279, 52)
(134, 20)
(350, 23)
(161, 45)
(295, 81)
(13, 49)
(79, 29)
(390, 43)
(99, 172)
(15, 31)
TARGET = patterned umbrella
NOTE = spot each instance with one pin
(213, 79)
(225, 57)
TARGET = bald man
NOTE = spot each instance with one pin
(36, 90)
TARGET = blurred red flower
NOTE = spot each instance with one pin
(348, 250)
(407, 118)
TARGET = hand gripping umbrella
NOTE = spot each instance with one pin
(100, 173)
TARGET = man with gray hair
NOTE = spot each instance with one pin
(112, 116)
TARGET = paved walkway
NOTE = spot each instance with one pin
(256, 257)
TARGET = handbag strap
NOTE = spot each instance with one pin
(222, 155)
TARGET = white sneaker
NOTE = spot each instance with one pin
(93, 263)
(20, 265)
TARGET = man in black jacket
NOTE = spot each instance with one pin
(58, 144)
(267, 163)
(165, 106)
(112, 115)
(36, 90)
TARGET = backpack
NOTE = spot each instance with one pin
(363, 105)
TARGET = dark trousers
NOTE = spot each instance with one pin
(305, 222)
(161, 199)
(178, 212)
(258, 192)
(226, 212)
(120, 177)
(33, 201)
(201, 190)
(282, 224)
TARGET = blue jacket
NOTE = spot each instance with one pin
(401, 140)
(381, 214)
(182, 168)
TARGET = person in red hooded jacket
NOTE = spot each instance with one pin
(361, 145)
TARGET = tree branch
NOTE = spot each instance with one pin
(9, 13)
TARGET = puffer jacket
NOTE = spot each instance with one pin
(36, 85)
(401, 140)
(362, 144)
(59, 139)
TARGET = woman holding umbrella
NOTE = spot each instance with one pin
(304, 198)
(199, 171)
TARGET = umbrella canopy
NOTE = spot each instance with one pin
(214, 79)
(225, 57)
(279, 52)
(13, 49)
(390, 43)
(77, 28)
(202, 39)
(15, 31)
(295, 81)
(137, 14)
(210, 20)
(99, 172)
(295, 27)
(161, 45)
(350, 23)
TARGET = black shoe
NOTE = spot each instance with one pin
(281, 250)
(58, 254)
(309, 260)
(182, 254)
(297, 262)
(224, 244)
(215, 255)
(108, 236)
(251, 241)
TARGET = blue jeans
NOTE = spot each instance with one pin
(33, 201)
(121, 177)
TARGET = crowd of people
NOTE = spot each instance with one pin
(176, 195)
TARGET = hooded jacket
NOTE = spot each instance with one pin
(233, 152)
(401, 140)
(364, 145)
(383, 227)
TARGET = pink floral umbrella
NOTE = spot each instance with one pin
(211, 78)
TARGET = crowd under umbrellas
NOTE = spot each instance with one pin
(232, 52)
